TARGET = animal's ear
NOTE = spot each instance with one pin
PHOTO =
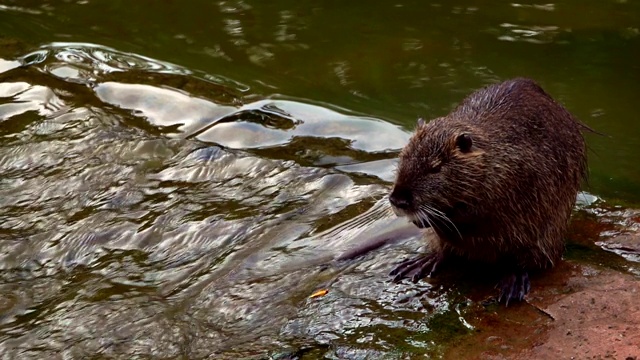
(464, 142)
(420, 122)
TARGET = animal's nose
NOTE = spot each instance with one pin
(400, 198)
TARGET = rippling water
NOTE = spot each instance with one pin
(149, 209)
(145, 219)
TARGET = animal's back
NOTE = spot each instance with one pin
(537, 160)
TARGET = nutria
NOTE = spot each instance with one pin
(496, 179)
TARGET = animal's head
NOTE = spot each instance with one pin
(438, 173)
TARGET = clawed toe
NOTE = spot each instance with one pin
(514, 287)
(419, 267)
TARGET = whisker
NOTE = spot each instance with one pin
(424, 215)
(441, 215)
(430, 211)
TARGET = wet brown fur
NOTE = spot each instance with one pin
(511, 194)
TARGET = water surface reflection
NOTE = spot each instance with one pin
(141, 218)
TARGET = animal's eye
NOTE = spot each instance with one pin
(464, 142)
(436, 168)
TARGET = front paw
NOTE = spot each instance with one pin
(418, 267)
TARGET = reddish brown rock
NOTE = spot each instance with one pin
(601, 320)
(577, 311)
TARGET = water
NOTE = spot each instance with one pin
(176, 179)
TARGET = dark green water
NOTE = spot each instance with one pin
(171, 172)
